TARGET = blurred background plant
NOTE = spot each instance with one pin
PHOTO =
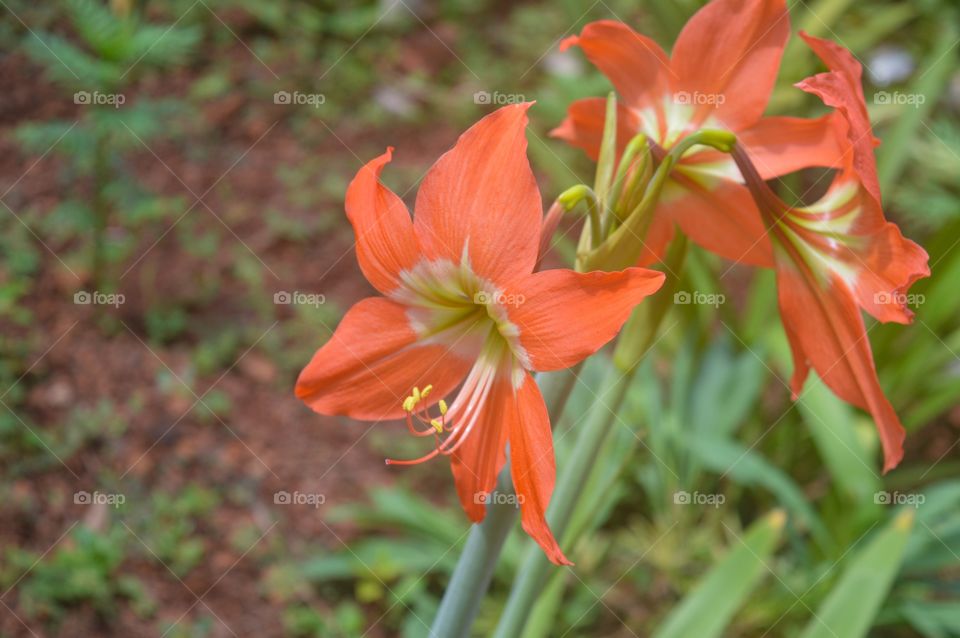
(722, 508)
(115, 48)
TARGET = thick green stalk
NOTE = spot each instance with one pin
(535, 568)
(636, 339)
(474, 570)
(570, 198)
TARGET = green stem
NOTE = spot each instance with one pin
(637, 335)
(534, 571)
(583, 193)
(474, 570)
(641, 175)
(608, 152)
(636, 339)
(624, 246)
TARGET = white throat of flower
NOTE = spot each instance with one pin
(449, 305)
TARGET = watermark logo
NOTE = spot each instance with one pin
(485, 298)
(497, 98)
(698, 498)
(899, 298)
(314, 499)
(899, 498)
(96, 298)
(902, 99)
(498, 498)
(98, 498)
(97, 98)
(298, 98)
(699, 99)
(697, 298)
(296, 298)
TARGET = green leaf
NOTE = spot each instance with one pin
(747, 467)
(852, 605)
(834, 431)
(727, 388)
(893, 155)
(707, 610)
(933, 619)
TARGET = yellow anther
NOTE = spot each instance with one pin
(437, 425)
(443, 407)
(409, 404)
(426, 391)
(416, 395)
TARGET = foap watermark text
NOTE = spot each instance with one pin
(98, 498)
(299, 99)
(698, 498)
(296, 298)
(311, 499)
(697, 298)
(96, 298)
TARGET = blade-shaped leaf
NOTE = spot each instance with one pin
(707, 610)
(852, 605)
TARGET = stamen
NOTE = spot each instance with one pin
(464, 414)
(410, 407)
(435, 426)
(425, 457)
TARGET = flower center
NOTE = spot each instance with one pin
(450, 305)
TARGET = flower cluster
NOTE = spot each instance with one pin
(465, 316)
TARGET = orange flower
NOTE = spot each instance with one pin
(720, 76)
(840, 255)
(463, 308)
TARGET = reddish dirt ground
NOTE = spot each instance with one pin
(267, 442)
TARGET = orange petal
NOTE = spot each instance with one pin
(386, 244)
(781, 145)
(890, 264)
(372, 362)
(533, 466)
(477, 462)
(583, 126)
(565, 316)
(722, 217)
(481, 197)
(826, 330)
(878, 263)
(635, 64)
(732, 48)
(841, 88)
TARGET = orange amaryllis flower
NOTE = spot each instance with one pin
(720, 76)
(463, 308)
(840, 255)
